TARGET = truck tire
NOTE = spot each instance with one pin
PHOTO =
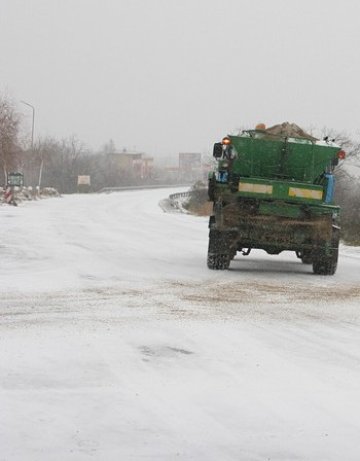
(219, 251)
(326, 264)
(218, 262)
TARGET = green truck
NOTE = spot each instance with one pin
(273, 190)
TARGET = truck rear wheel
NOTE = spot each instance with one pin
(325, 263)
(218, 262)
(219, 251)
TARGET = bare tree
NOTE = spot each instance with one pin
(54, 163)
(59, 163)
(347, 193)
(9, 129)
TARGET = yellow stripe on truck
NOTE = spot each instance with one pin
(255, 188)
(305, 193)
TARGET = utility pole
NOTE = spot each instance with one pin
(33, 122)
(32, 144)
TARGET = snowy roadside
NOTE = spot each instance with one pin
(350, 251)
(17, 195)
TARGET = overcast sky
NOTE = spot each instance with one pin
(168, 76)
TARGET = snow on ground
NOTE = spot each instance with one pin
(117, 342)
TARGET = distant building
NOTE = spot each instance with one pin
(136, 165)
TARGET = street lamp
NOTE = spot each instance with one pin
(32, 144)
(33, 122)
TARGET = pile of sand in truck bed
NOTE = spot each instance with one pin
(289, 130)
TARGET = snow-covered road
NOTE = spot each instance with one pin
(117, 342)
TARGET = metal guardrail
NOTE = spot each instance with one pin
(179, 195)
(175, 199)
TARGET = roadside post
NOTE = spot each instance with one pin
(14, 179)
(83, 184)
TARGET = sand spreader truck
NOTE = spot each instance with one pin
(273, 189)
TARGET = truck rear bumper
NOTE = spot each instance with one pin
(275, 234)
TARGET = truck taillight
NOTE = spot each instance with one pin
(226, 141)
(341, 155)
